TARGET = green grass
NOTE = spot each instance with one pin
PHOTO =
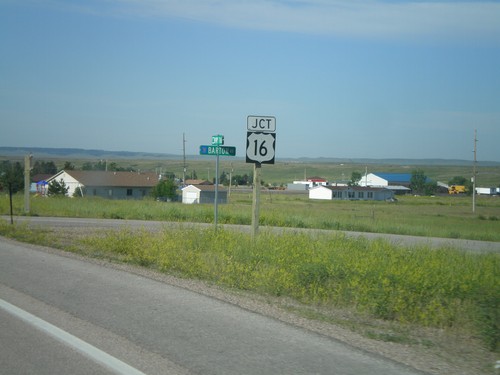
(446, 217)
(438, 288)
(443, 288)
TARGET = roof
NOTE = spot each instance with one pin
(115, 179)
(197, 182)
(316, 179)
(352, 188)
(205, 187)
(398, 178)
(40, 177)
(398, 187)
(395, 177)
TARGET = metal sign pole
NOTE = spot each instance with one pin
(256, 199)
(216, 189)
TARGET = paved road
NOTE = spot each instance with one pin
(468, 245)
(64, 315)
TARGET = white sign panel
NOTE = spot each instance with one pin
(261, 124)
(260, 147)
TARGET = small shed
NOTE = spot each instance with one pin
(203, 194)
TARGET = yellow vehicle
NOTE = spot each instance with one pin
(457, 189)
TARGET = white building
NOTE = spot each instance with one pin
(397, 182)
(307, 183)
(203, 194)
(350, 193)
(486, 191)
(107, 184)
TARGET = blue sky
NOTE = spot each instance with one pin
(347, 79)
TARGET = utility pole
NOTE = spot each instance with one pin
(184, 158)
(474, 172)
(230, 181)
(27, 182)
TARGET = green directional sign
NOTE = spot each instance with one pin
(218, 150)
(217, 140)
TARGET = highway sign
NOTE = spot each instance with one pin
(261, 124)
(218, 150)
(261, 147)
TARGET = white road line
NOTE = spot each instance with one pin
(98, 355)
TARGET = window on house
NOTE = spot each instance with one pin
(370, 194)
(350, 194)
(129, 192)
(361, 194)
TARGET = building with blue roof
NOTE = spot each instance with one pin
(397, 182)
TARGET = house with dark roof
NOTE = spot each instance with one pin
(107, 184)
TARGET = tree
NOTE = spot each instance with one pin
(420, 184)
(43, 167)
(458, 180)
(224, 178)
(57, 188)
(68, 166)
(417, 181)
(355, 178)
(242, 180)
(79, 192)
(11, 176)
(430, 188)
(87, 166)
(165, 190)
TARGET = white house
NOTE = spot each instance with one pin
(203, 194)
(350, 193)
(112, 185)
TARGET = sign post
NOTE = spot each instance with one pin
(217, 149)
(261, 144)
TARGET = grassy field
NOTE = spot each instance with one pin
(444, 289)
(284, 172)
(447, 217)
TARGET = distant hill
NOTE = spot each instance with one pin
(78, 153)
(398, 161)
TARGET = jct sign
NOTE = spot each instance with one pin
(265, 124)
(261, 139)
